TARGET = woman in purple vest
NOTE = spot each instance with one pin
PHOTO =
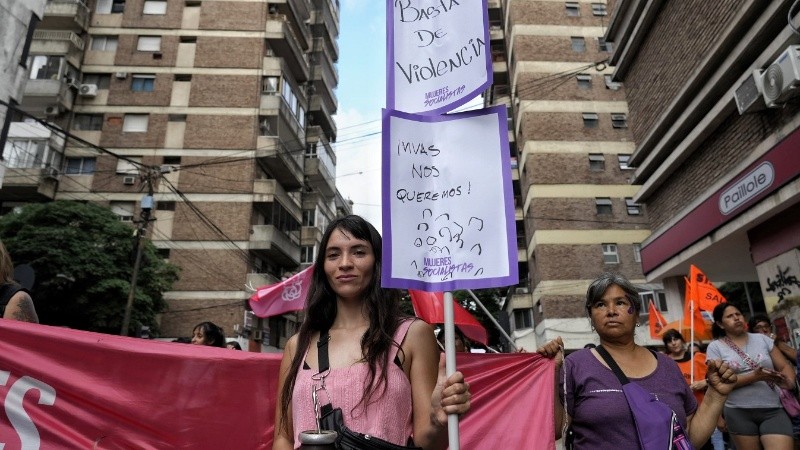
(597, 412)
(385, 371)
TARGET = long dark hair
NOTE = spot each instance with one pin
(719, 311)
(381, 307)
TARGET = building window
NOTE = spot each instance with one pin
(573, 9)
(165, 206)
(268, 126)
(129, 166)
(88, 122)
(307, 254)
(80, 166)
(308, 217)
(584, 81)
(269, 85)
(619, 120)
(176, 117)
(135, 123)
(102, 43)
(123, 210)
(578, 44)
(523, 318)
(110, 6)
(637, 252)
(597, 162)
(658, 298)
(603, 205)
(143, 83)
(633, 207)
(26, 153)
(102, 80)
(603, 46)
(590, 120)
(599, 9)
(149, 44)
(155, 7)
(163, 253)
(45, 67)
(610, 255)
(623, 161)
(611, 84)
(171, 160)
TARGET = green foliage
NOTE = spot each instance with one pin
(83, 259)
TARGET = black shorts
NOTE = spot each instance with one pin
(757, 421)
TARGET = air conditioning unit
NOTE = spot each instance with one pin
(50, 172)
(121, 75)
(88, 90)
(782, 78)
(521, 290)
(52, 110)
(748, 95)
(129, 180)
(258, 335)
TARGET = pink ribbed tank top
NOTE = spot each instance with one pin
(388, 416)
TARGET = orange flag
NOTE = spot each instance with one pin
(704, 293)
(701, 326)
(656, 320)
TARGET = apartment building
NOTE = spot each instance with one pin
(569, 133)
(224, 110)
(31, 28)
(715, 117)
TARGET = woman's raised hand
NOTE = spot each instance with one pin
(720, 377)
(451, 395)
(553, 349)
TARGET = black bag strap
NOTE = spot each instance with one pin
(623, 380)
(324, 363)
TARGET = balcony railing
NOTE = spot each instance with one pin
(59, 35)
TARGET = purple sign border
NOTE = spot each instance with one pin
(387, 280)
(390, 61)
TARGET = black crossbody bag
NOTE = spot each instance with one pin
(332, 418)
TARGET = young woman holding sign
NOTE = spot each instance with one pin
(384, 370)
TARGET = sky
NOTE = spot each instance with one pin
(361, 95)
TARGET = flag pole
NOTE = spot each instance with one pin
(691, 353)
(450, 364)
(491, 318)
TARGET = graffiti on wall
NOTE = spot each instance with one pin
(784, 284)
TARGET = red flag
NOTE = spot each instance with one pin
(704, 293)
(656, 320)
(279, 298)
(429, 306)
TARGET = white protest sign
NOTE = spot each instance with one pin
(437, 54)
(448, 213)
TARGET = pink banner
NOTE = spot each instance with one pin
(64, 388)
(286, 296)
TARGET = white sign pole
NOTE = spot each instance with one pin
(450, 364)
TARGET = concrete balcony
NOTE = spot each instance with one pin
(283, 162)
(326, 14)
(258, 280)
(322, 115)
(495, 4)
(29, 184)
(521, 298)
(48, 97)
(322, 58)
(275, 245)
(285, 43)
(270, 191)
(296, 11)
(320, 169)
(65, 15)
(310, 236)
(58, 42)
(496, 33)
